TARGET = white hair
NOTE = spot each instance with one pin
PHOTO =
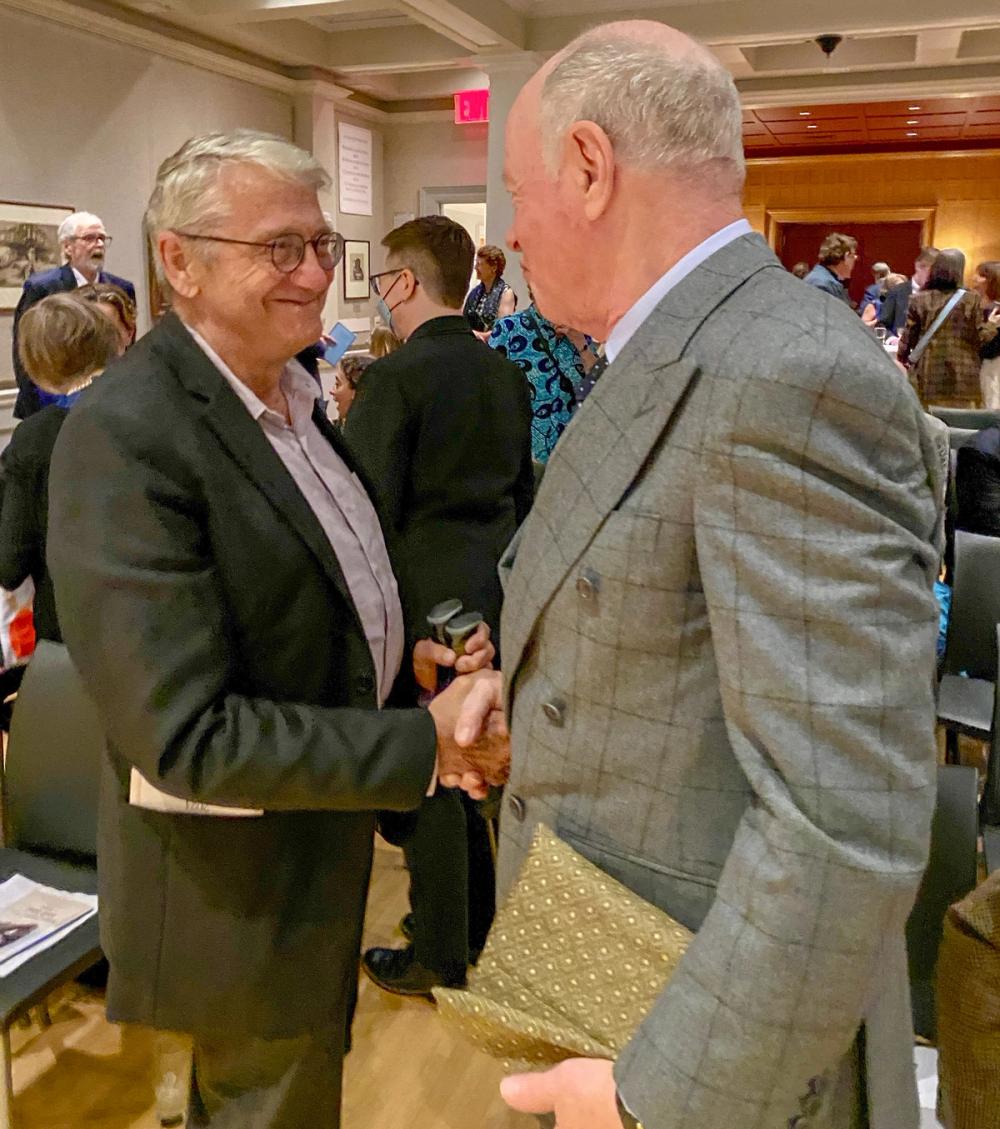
(187, 196)
(72, 224)
(660, 111)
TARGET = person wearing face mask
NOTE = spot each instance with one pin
(84, 243)
(442, 430)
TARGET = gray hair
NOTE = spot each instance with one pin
(72, 224)
(187, 197)
(659, 111)
(880, 269)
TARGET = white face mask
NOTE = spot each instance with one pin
(384, 311)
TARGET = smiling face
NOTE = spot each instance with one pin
(237, 289)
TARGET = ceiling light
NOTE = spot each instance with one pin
(812, 127)
(912, 133)
(805, 113)
(913, 121)
(913, 109)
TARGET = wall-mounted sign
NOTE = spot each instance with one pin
(355, 169)
(472, 106)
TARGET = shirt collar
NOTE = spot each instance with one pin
(81, 279)
(626, 328)
(297, 384)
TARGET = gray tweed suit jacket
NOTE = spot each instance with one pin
(719, 645)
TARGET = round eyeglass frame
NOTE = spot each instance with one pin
(290, 243)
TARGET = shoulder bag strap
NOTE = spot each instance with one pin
(942, 317)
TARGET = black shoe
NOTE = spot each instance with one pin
(406, 926)
(396, 970)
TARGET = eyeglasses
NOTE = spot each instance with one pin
(376, 278)
(91, 240)
(288, 251)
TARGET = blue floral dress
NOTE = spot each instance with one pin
(553, 368)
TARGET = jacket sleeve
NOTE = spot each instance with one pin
(910, 336)
(379, 432)
(145, 618)
(815, 549)
(20, 535)
(29, 296)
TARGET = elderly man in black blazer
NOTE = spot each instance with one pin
(84, 242)
(423, 416)
(225, 590)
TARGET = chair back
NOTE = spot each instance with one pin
(950, 875)
(971, 418)
(53, 764)
(959, 436)
(975, 607)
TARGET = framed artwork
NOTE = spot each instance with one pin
(159, 303)
(29, 242)
(357, 255)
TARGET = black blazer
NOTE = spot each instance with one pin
(24, 513)
(37, 287)
(443, 429)
(894, 306)
(210, 620)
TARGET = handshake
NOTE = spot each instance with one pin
(473, 743)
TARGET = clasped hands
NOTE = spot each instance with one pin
(473, 740)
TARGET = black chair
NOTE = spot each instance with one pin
(972, 418)
(991, 848)
(989, 805)
(965, 704)
(50, 826)
(950, 875)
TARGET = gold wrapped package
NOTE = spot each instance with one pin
(573, 964)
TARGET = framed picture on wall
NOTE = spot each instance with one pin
(158, 300)
(29, 242)
(357, 263)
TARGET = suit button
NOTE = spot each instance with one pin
(517, 807)
(555, 711)
(365, 684)
(588, 584)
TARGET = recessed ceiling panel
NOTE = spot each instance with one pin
(807, 56)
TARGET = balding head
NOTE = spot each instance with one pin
(624, 147)
(665, 101)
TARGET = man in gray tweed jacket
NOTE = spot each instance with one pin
(719, 626)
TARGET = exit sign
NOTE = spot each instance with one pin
(472, 106)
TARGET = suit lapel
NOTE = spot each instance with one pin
(615, 432)
(244, 439)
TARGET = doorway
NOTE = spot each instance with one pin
(896, 242)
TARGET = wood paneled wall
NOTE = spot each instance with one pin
(962, 188)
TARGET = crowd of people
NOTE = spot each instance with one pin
(701, 649)
(943, 334)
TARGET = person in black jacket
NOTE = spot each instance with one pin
(442, 429)
(65, 343)
(892, 315)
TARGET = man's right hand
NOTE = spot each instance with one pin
(473, 741)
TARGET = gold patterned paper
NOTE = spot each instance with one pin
(573, 964)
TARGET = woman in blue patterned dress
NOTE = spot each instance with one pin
(555, 360)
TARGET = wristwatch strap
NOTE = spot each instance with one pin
(628, 1121)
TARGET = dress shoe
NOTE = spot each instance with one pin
(397, 971)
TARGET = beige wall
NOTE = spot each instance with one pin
(86, 122)
(962, 190)
(429, 155)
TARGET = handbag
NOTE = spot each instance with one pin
(572, 966)
(918, 351)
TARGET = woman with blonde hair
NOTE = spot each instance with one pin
(64, 343)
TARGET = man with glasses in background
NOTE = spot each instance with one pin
(226, 593)
(84, 243)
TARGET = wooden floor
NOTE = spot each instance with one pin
(407, 1071)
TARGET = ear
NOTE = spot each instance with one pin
(179, 266)
(590, 163)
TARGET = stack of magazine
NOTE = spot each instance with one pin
(34, 917)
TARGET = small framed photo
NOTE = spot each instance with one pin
(357, 255)
(29, 242)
